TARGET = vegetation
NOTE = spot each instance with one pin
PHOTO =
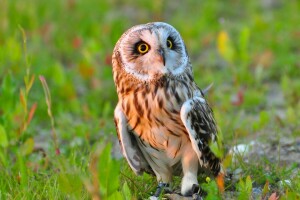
(57, 136)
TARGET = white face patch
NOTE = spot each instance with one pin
(176, 69)
(150, 65)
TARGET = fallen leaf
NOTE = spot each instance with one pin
(108, 59)
(238, 99)
(76, 42)
(57, 151)
(265, 59)
(273, 196)
(266, 189)
(220, 182)
(86, 71)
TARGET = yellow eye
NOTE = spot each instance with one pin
(143, 48)
(169, 44)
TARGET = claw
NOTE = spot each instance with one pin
(160, 187)
(195, 189)
(197, 197)
(196, 192)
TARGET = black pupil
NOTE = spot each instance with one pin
(143, 47)
(168, 43)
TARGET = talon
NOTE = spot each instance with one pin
(160, 187)
(196, 192)
(196, 189)
(197, 197)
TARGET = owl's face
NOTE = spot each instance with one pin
(152, 50)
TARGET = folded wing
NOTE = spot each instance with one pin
(198, 119)
(129, 146)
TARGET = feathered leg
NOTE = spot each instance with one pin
(190, 164)
(164, 178)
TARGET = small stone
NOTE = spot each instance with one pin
(256, 193)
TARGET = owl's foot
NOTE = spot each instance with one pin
(161, 188)
(197, 197)
(196, 192)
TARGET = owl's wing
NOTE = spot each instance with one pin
(129, 146)
(199, 122)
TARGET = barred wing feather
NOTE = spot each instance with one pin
(198, 119)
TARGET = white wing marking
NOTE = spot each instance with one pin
(185, 110)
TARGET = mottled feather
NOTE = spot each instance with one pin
(163, 122)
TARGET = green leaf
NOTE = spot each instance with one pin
(3, 137)
(245, 188)
(212, 190)
(126, 192)
(227, 160)
(14, 49)
(70, 184)
(29, 84)
(108, 169)
(3, 158)
(8, 94)
(248, 184)
(58, 73)
(264, 119)
(265, 189)
(106, 109)
(243, 44)
(215, 148)
(22, 170)
(27, 147)
(116, 196)
(291, 115)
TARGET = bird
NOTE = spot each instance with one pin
(163, 122)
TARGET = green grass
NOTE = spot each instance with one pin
(57, 93)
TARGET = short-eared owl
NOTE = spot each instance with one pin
(163, 121)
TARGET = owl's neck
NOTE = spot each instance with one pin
(166, 85)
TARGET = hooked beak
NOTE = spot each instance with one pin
(161, 53)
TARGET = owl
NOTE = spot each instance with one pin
(164, 124)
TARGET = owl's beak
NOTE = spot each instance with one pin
(161, 53)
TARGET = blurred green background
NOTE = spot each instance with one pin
(249, 50)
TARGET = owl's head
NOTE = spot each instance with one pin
(152, 50)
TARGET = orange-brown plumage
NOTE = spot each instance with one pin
(159, 129)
